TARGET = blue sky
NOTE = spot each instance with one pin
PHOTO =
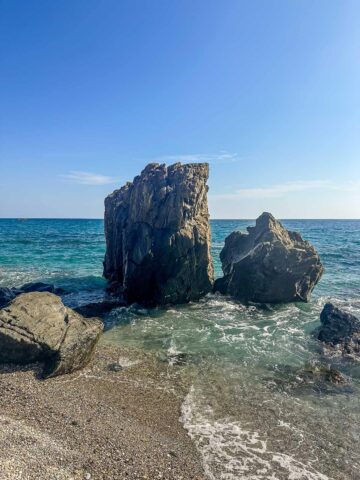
(266, 91)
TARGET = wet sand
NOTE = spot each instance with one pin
(104, 422)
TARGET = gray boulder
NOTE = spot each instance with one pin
(340, 329)
(38, 327)
(269, 264)
(158, 236)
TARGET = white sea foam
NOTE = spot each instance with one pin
(231, 452)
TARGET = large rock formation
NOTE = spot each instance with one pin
(340, 329)
(158, 235)
(269, 264)
(38, 327)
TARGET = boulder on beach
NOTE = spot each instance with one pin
(269, 264)
(340, 329)
(38, 327)
(158, 236)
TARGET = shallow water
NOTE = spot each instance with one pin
(249, 410)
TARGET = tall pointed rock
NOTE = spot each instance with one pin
(158, 235)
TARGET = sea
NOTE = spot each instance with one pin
(255, 408)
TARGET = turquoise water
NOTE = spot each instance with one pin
(249, 410)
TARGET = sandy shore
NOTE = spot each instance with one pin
(100, 423)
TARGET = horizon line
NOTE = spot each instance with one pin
(233, 219)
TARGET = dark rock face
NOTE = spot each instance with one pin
(340, 329)
(38, 327)
(41, 287)
(99, 308)
(158, 236)
(8, 294)
(269, 264)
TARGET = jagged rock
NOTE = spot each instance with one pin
(269, 264)
(341, 330)
(158, 235)
(38, 327)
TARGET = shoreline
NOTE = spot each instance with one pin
(102, 422)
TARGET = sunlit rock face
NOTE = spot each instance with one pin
(37, 326)
(158, 235)
(269, 264)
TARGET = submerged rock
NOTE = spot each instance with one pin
(269, 264)
(314, 377)
(8, 294)
(158, 236)
(100, 308)
(38, 327)
(340, 330)
(41, 287)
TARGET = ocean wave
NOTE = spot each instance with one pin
(231, 452)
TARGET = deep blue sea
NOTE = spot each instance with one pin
(249, 410)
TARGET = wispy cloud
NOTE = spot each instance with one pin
(221, 157)
(280, 190)
(88, 178)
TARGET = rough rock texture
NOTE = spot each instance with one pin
(37, 326)
(158, 235)
(340, 329)
(269, 264)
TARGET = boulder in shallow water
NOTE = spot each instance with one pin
(158, 235)
(340, 329)
(269, 264)
(38, 327)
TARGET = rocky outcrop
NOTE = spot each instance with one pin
(340, 330)
(269, 264)
(38, 327)
(158, 235)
